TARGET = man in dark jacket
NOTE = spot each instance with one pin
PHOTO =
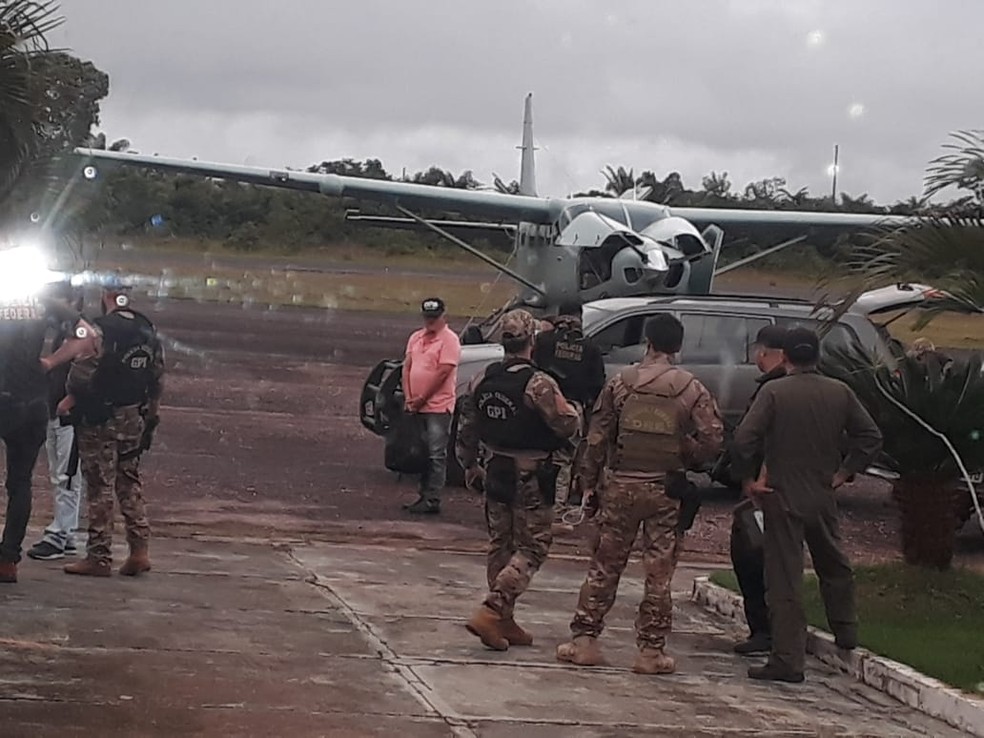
(746, 548)
(579, 368)
(23, 400)
(799, 424)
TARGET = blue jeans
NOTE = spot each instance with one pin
(435, 429)
(67, 491)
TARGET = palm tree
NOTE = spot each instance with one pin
(619, 181)
(963, 167)
(949, 401)
(943, 247)
(23, 26)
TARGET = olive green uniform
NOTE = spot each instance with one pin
(800, 423)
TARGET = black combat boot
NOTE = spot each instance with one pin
(755, 645)
(774, 673)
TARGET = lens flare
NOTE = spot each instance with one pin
(23, 272)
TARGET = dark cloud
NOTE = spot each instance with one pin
(758, 86)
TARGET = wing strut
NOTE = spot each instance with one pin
(471, 250)
(755, 257)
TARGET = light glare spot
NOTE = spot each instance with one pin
(856, 110)
(815, 39)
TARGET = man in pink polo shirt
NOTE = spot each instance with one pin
(430, 373)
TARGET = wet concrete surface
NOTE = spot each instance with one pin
(226, 638)
(231, 635)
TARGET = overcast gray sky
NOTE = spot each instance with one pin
(754, 87)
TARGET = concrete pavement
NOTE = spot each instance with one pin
(227, 638)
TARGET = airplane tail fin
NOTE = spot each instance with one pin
(527, 167)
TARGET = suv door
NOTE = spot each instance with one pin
(717, 349)
(621, 342)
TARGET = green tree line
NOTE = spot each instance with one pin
(63, 95)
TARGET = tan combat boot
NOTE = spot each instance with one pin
(137, 562)
(486, 624)
(583, 651)
(88, 567)
(513, 633)
(653, 661)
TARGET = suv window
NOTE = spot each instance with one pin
(838, 336)
(622, 341)
(718, 339)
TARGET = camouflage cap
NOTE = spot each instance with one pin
(518, 324)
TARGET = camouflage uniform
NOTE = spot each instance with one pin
(100, 449)
(518, 513)
(629, 498)
(109, 452)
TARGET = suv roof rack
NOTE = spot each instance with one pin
(771, 300)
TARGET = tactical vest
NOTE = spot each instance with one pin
(651, 425)
(504, 419)
(562, 357)
(125, 371)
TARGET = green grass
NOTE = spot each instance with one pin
(932, 621)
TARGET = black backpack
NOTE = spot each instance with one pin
(405, 451)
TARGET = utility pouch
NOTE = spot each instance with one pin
(546, 478)
(96, 413)
(500, 479)
(678, 487)
(751, 524)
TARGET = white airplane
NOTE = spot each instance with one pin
(567, 250)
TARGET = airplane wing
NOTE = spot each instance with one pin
(409, 195)
(807, 220)
(385, 221)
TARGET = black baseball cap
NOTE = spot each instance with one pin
(432, 307)
(801, 346)
(771, 337)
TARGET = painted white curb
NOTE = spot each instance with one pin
(902, 682)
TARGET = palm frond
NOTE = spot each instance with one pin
(23, 28)
(962, 167)
(943, 250)
(949, 399)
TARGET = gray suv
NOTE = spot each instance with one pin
(719, 333)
